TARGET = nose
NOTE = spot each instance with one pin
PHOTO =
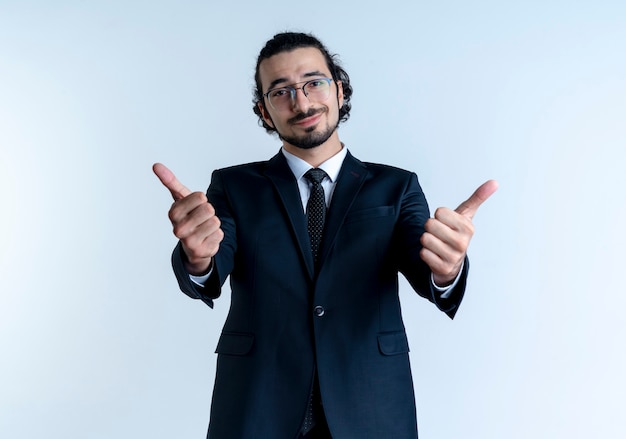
(299, 100)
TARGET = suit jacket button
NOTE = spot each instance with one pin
(319, 311)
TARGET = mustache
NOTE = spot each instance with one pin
(301, 116)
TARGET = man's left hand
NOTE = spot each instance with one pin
(448, 235)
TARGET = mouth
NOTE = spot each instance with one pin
(307, 120)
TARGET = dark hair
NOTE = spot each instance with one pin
(288, 41)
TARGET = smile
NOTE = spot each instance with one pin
(309, 121)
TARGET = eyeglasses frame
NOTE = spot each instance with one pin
(293, 90)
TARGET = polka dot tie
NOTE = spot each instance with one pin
(316, 209)
(316, 215)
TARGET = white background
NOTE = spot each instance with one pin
(97, 342)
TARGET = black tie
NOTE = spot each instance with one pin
(316, 214)
(316, 209)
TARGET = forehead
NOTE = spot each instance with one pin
(292, 66)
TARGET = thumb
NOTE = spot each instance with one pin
(169, 180)
(470, 206)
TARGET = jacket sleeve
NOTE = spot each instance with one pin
(414, 213)
(211, 289)
(222, 262)
(450, 304)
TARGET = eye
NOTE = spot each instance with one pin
(279, 92)
(316, 83)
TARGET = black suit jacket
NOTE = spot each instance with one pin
(286, 319)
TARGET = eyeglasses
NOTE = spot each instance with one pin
(315, 90)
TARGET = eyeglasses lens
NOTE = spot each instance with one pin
(316, 90)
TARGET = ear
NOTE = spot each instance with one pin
(265, 114)
(339, 93)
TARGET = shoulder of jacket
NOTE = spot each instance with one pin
(242, 168)
(379, 168)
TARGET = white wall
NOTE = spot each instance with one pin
(97, 342)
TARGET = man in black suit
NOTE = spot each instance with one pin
(314, 345)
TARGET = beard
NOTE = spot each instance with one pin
(311, 138)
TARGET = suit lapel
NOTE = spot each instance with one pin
(351, 177)
(283, 180)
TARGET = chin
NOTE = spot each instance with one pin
(311, 139)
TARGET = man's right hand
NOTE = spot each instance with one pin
(194, 222)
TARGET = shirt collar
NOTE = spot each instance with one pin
(332, 166)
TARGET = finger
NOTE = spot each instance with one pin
(431, 259)
(438, 266)
(205, 241)
(193, 206)
(198, 244)
(449, 220)
(470, 206)
(212, 241)
(455, 234)
(169, 180)
(196, 221)
(442, 249)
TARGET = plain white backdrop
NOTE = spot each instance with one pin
(96, 341)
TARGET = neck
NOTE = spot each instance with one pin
(318, 155)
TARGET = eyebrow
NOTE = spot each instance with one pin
(278, 81)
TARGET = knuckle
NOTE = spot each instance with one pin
(428, 225)
(215, 247)
(179, 231)
(441, 213)
(219, 234)
(197, 196)
(201, 211)
(174, 213)
(206, 210)
(210, 206)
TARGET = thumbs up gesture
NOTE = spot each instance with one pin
(194, 222)
(448, 235)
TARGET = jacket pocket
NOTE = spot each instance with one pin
(233, 343)
(393, 343)
(373, 212)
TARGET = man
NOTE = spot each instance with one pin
(314, 345)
